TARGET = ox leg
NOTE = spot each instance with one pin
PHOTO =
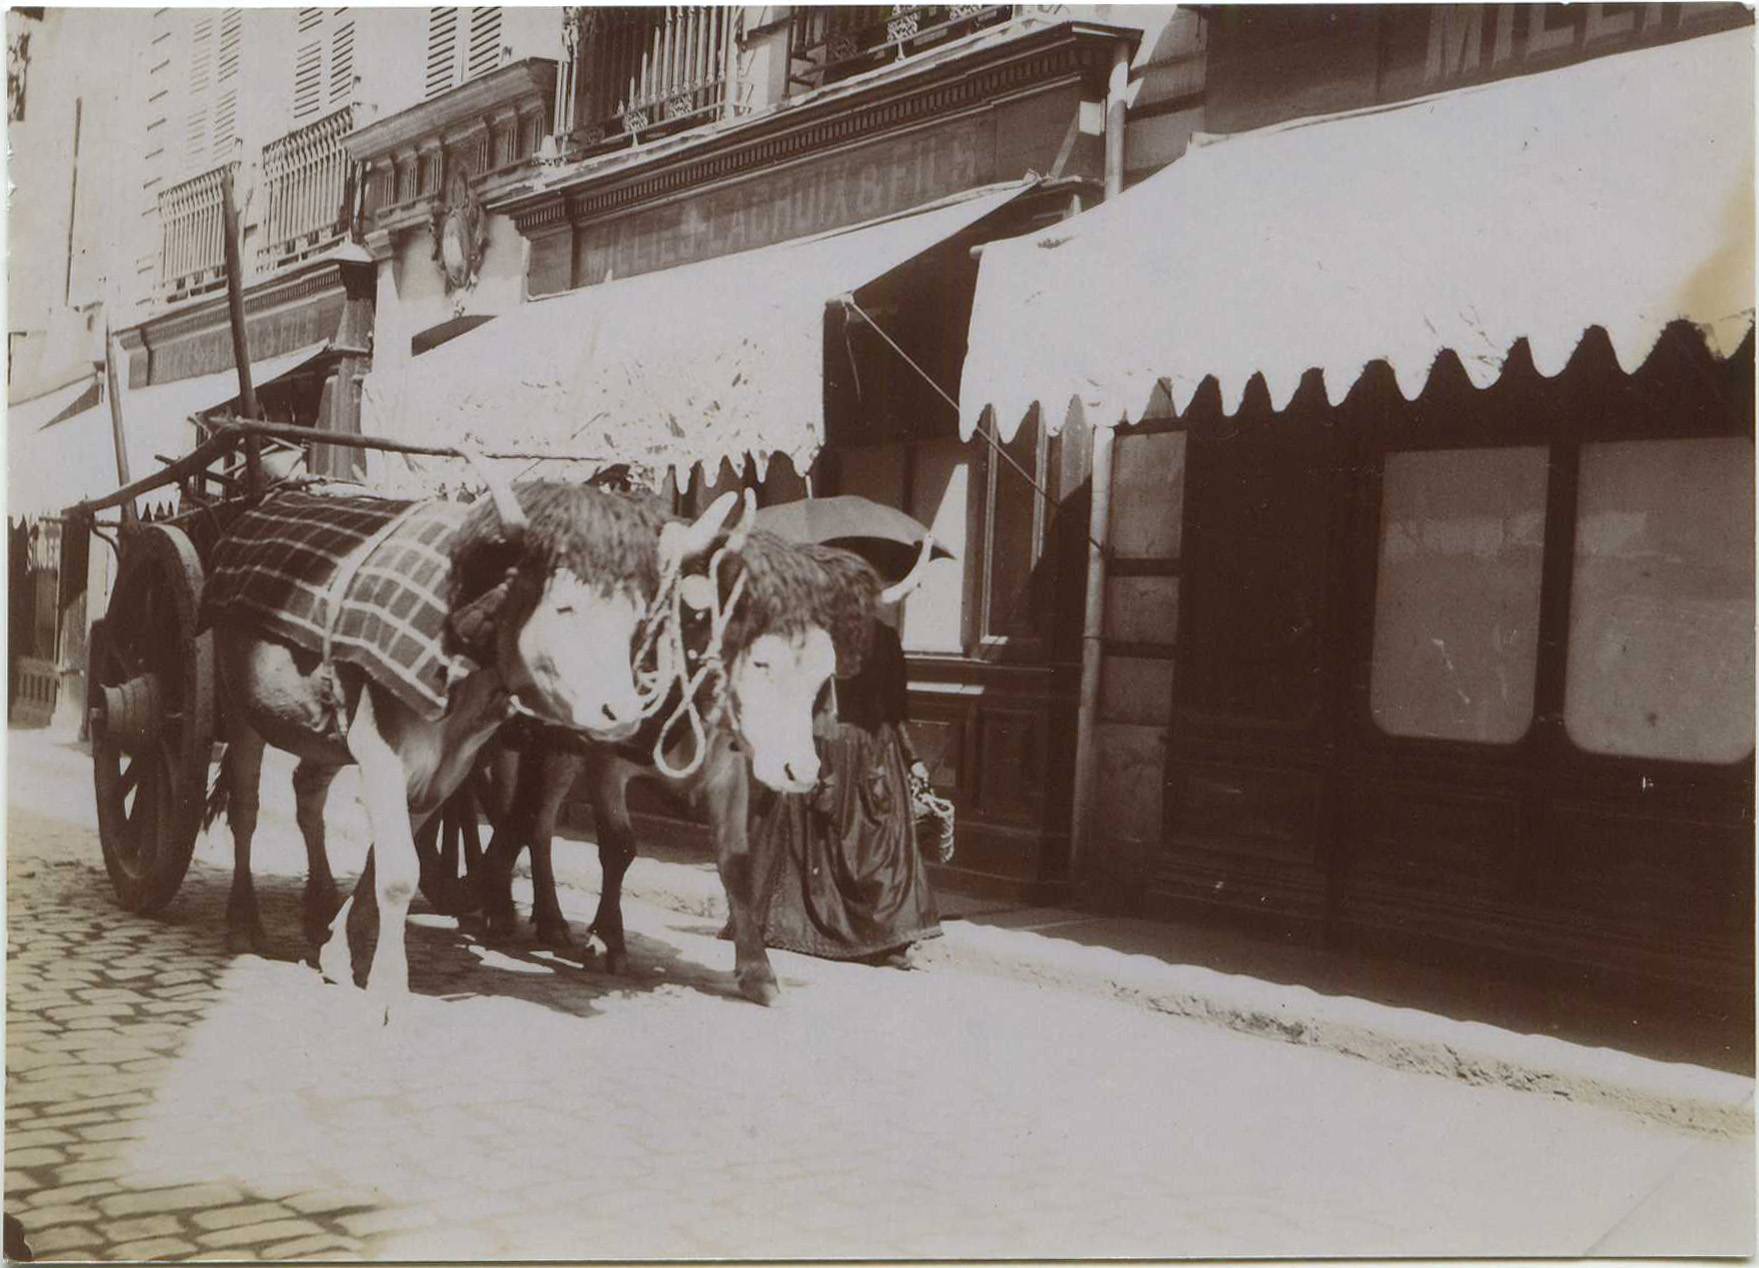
(243, 772)
(512, 829)
(745, 868)
(560, 770)
(311, 792)
(384, 786)
(610, 816)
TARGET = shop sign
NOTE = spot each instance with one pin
(822, 194)
(1469, 42)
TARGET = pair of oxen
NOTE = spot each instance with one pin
(627, 638)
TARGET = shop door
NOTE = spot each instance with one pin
(1250, 782)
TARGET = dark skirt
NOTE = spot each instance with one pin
(849, 881)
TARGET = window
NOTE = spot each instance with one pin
(323, 62)
(210, 116)
(934, 616)
(462, 44)
(1456, 620)
(1013, 536)
(1661, 607)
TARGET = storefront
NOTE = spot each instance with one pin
(1429, 608)
(734, 305)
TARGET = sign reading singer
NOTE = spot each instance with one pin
(844, 189)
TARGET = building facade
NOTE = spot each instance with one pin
(1456, 664)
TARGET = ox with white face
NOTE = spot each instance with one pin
(574, 650)
(774, 684)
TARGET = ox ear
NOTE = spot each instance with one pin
(474, 624)
(680, 541)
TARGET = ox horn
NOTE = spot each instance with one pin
(748, 516)
(684, 541)
(892, 594)
(506, 505)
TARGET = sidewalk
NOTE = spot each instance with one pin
(1248, 985)
(1456, 1026)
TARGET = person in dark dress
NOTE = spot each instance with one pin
(849, 880)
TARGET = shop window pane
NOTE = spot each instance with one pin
(934, 616)
(1012, 547)
(1661, 608)
(1456, 620)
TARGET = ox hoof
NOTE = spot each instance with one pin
(760, 990)
(499, 929)
(335, 962)
(556, 937)
(616, 962)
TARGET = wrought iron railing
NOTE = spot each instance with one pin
(307, 187)
(192, 219)
(827, 43)
(636, 72)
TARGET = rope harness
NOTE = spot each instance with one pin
(661, 661)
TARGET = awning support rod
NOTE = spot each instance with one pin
(849, 303)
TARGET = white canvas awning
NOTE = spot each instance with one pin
(38, 411)
(693, 364)
(1617, 192)
(50, 468)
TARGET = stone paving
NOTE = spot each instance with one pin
(166, 1100)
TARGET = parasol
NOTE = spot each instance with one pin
(886, 537)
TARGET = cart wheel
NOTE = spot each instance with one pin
(151, 695)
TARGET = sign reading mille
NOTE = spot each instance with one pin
(820, 194)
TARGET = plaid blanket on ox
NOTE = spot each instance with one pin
(274, 571)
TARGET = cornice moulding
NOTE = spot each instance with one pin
(466, 104)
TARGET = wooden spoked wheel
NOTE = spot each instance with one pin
(151, 688)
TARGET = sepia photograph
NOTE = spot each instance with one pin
(904, 632)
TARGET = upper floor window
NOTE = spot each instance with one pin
(463, 44)
(633, 72)
(323, 62)
(211, 87)
(827, 43)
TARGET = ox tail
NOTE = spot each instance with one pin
(219, 792)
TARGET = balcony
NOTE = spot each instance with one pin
(192, 220)
(307, 188)
(631, 74)
(827, 44)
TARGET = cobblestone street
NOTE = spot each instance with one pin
(167, 1100)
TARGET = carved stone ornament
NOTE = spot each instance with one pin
(460, 231)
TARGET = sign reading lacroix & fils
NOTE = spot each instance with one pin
(794, 202)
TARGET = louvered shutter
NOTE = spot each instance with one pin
(308, 64)
(442, 65)
(463, 44)
(226, 63)
(341, 70)
(201, 79)
(485, 42)
(323, 62)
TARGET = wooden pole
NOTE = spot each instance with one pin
(1085, 794)
(247, 397)
(112, 389)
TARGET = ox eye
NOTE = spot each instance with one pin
(564, 608)
(762, 666)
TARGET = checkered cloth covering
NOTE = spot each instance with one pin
(273, 570)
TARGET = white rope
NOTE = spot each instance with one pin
(711, 665)
(662, 638)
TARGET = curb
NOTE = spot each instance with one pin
(1689, 1097)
